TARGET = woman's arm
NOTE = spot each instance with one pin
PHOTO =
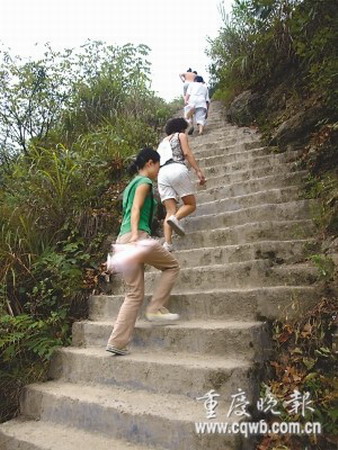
(140, 195)
(190, 157)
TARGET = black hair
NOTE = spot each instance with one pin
(195, 72)
(143, 156)
(178, 125)
(199, 79)
(189, 70)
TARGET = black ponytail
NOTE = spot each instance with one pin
(145, 155)
(132, 168)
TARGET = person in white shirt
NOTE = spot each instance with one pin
(197, 104)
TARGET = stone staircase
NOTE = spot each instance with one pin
(241, 264)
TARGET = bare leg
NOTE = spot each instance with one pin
(171, 207)
(188, 207)
(190, 119)
(190, 114)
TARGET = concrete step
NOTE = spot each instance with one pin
(276, 251)
(242, 340)
(278, 195)
(227, 129)
(217, 127)
(244, 304)
(247, 274)
(25, 434)
(178, 373)
(250, 155)
(254, 231)
(224, 131)
(294, 210)
(225, 168)
(222, 145)
(235, 154)
(212, 127)
(248, 174)
(299, 273)
(250, 187)
(162, 420)
(215, 117)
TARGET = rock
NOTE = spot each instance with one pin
(244, 109)
(276, 101)
(297, 128)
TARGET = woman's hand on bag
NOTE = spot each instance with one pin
(201, 176)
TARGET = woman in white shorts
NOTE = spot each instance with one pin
(174, 179)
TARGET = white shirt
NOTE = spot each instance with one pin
(198, 95)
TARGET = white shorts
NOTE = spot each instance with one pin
(175, 181)
(200, 116)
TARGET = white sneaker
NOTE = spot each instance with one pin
(117, 351)
(162, 316)
(175, 225)
(168, 247)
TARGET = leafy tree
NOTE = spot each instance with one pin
(66, 94)
(32, 96)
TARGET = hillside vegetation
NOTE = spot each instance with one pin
(69, 123)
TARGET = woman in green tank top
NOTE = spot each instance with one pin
(138, 201)
(138, 207)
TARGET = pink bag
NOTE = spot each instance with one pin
(124, 257)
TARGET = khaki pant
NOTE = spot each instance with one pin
(157, 257)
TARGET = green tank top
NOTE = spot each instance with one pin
(147, 211)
